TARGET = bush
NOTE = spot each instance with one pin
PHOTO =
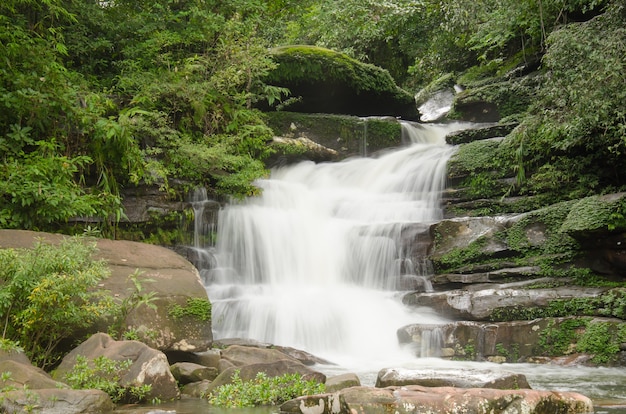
(46, 295)
(104, 374)
(263, 390)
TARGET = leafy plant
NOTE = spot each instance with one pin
(105, 374)
(135, 298)
(263, 390)
(47, 295)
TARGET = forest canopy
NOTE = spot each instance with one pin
(100, 95)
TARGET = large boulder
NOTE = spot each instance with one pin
(149, 366)
(325, 81)
(439, 400)
(460, 378)
(537, 340)
(56, 401)
(493, 302)
(173, 282)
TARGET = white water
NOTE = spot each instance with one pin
(318, 260)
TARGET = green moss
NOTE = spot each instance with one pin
(342, 133)
(197, 308)
(477, 156)
(557, 338)
(603, 340)
(301, 63)
(595, 213)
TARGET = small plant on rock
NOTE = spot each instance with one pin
(105, 374)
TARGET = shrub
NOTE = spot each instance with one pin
(46, 295)
(263, 390)
(104, 374)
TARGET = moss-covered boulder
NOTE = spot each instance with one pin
(325, 81)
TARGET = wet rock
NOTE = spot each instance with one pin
(480, 133)
(460, 378)
(440, 400)
(485, 304)
(340, 382)
(196, 389)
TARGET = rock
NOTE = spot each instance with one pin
(245, 355)
(171, 279)
(56, 401)
(346, 136)
(210, 358)
(480, 133)
(271, 369)
(331, 82)
(460, 378)
(440, 400)
(196, 389)
(292, 150)
(26, 376)
(187, 372)
(485, 304)
(149, 366)
(342, 381)
(514, 341)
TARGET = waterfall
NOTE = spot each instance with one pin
(320, 260)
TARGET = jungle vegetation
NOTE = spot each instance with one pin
(98, 95)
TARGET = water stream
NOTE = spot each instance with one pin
(321, 260)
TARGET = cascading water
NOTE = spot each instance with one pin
(319, 260)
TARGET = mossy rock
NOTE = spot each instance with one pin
(596, 214)
(347, 135)
(325, 81)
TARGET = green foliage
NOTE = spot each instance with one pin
(135, 299)
(599, 341)
(197, 308)
(557, 338)
(263, 390)
(47, 295)
(105, 374)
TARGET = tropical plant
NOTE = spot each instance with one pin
(47, 295)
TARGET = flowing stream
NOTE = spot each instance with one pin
(321, 259)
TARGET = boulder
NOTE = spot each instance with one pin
(26, 376)
(149, 366)
(325, 81)
(172, 280)
(481, 132)
(56, 401)
(245, 355)
(196, 389)
(460, 378)
(188, 372)
(514, 341)
(439, 400)
(488, 303)
(342, 381)
(271, 369)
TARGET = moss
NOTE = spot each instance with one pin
(477, 156)
(603, 340)
(595, 213)
(342, 133)
(197, 308)
(326, 81)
